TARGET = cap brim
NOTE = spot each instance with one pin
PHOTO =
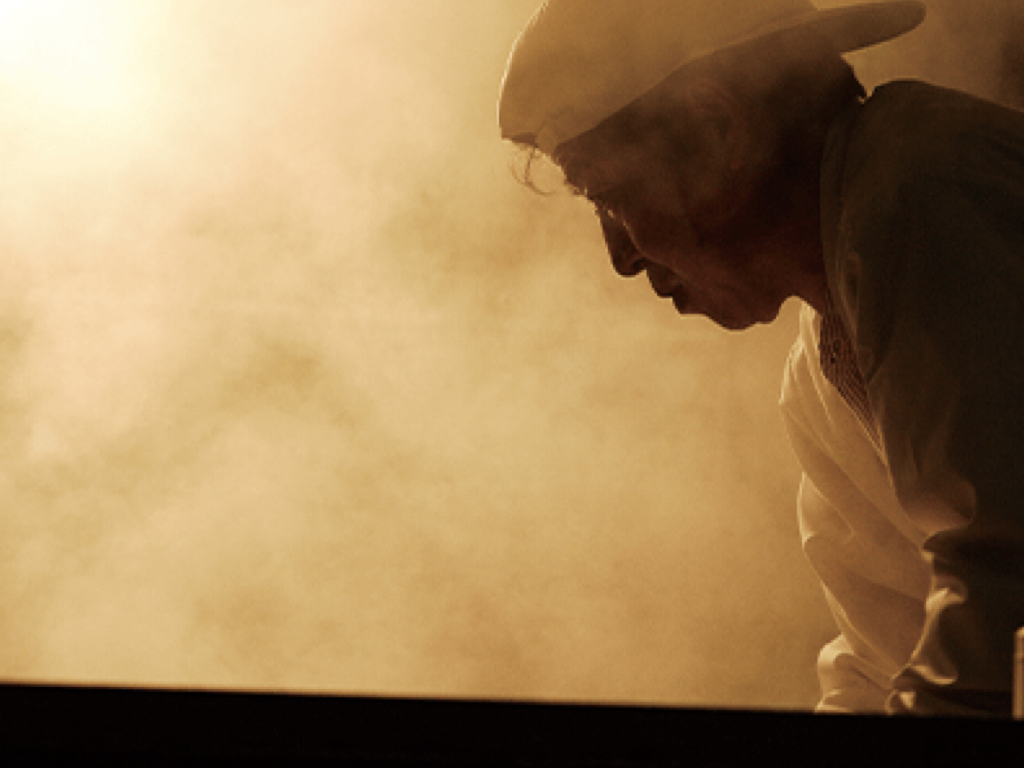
(853, 26)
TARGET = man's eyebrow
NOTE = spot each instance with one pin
(574, 172)
(590, 196)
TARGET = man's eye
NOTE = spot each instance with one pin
(611, 201)
(604, 208)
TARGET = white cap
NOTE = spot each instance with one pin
(579, 61)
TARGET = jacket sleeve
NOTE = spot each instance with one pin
(855, 537)
(935, 295)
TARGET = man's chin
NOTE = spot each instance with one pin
(728, 323)
(732, 324)
(745, 321)
(731, 321)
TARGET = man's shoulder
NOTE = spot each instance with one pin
(909, 130)
(925, 184)
(908, 99)
(911, 144)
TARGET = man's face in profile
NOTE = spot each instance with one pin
(701, 225)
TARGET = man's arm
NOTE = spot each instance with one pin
(855, 537)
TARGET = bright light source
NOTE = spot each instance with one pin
(72, 59)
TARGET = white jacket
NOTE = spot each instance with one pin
(858, 539)
(913, 515)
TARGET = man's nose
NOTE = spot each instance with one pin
(626, 259)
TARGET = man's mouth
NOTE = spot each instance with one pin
(726, 320)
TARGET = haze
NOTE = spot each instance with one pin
(301, 390)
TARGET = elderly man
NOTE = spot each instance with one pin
(732, 155)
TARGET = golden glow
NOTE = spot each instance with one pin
(300, 389)
(73, 59)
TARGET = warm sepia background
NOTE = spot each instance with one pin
(300, 389)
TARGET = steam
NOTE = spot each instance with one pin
(301, 390)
